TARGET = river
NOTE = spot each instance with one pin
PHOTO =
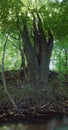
(54, 124)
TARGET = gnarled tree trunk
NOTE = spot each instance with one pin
(38, 57)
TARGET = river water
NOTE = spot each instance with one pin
(54, 124)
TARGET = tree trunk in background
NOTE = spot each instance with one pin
(66, 59)
(59, 63)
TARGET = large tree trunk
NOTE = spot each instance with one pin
(45, 53)
(38, 58)
(32, 64)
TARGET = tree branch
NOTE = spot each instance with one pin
(37, 43)
(50, 42)
(41, 31)
(3, 76)
(16, 38)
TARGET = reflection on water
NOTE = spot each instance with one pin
(14, 127)
(51, 125)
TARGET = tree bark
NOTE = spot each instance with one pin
(66, 59)
(30, 55)
(38, 58)
(46, 49)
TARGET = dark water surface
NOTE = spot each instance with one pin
(54, 124)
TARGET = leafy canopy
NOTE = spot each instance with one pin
(52, 12)
(14, 12)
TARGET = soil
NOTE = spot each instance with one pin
(32, 102)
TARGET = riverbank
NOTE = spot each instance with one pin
(58, 122)
(32, 119)
(32, 102)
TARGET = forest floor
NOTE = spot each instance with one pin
(30, 101)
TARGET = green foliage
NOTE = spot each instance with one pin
(12, 55)
(60, 56)
(12, 16)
